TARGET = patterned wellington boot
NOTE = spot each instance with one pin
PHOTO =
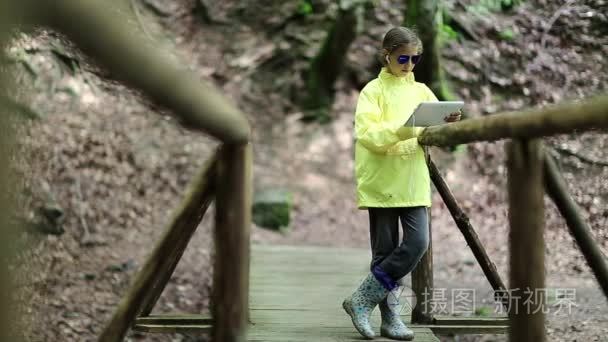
(392, 325)
(361, 304)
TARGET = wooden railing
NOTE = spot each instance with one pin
(531, 172)
(226, 177)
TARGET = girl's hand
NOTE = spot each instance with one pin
(453, 116)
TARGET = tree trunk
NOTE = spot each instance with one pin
(425, 16)
(328, 64)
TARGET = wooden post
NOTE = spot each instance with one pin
(422, 279)
(146, 286)
(7, 203)
(558, 191)
(230, 299)
(10, 187)
(7, 229)
(422, 285)
(462, 222)
(526, 244)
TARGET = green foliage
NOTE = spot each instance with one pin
(318, 102)
(372, 3)
(411, 15)
(271, 209)
(447, 33)
(18, 109)
(460, 149)
(305, 8)
(510, 4)
(507, 34)
(551, 297)
(318, 115)
(484, 7)
(483, 311)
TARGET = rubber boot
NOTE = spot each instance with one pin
(392, 326)
(362, 302)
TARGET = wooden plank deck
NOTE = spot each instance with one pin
(296, 294)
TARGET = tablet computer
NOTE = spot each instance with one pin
(433, 113)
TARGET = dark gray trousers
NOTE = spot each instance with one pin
(394, 258)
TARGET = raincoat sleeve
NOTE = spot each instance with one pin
(407, 132)
(373, 133)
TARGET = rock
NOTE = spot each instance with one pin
(89, 276)
(125, 266)
(271, 208)
(49, 220)
(162, 8)
(52, 213)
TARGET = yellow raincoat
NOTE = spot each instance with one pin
(390, 167)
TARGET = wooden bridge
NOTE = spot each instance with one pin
(278, 293)
(296, 294)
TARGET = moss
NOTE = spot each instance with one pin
(507, 35)
(319, 115)
(447, 33)
(326, 67)
(272, 208)
(483, 311)
(411, 15)
(305, 8)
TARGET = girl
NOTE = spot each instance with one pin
(393, 181)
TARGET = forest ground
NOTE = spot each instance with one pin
(117, 165)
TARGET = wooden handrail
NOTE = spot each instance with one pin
(100, 34)
(566, 118)
(185, 223)
(199, 106)
(470, 236)
(7, 201)
(557, 189)
(155, 273)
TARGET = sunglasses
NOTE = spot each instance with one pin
(403, 59)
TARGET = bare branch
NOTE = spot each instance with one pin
(581, 157)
